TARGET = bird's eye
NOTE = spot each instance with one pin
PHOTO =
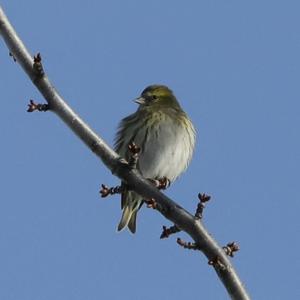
(154, 97)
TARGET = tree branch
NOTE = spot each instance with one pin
(119, 167)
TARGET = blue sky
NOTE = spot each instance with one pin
(234, 66)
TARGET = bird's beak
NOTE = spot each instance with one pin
(140, 100)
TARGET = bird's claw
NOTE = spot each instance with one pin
(134, 150)
(151, 203)
(161, 183)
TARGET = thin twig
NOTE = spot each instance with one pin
(32, 106)
(10, 54)
(169, 231)
(187, 245)
(203, 198)
(231, 248)
(106, 191)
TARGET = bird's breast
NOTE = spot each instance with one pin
(167, 148)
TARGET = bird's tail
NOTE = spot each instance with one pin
(130, 203)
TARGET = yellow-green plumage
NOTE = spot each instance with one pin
(166, 137)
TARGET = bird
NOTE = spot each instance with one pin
(166, 138)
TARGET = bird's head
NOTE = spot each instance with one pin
(157, 96)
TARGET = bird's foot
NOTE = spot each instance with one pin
(134, 150)
(106, 191)
(151, 203)
(161, 183)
